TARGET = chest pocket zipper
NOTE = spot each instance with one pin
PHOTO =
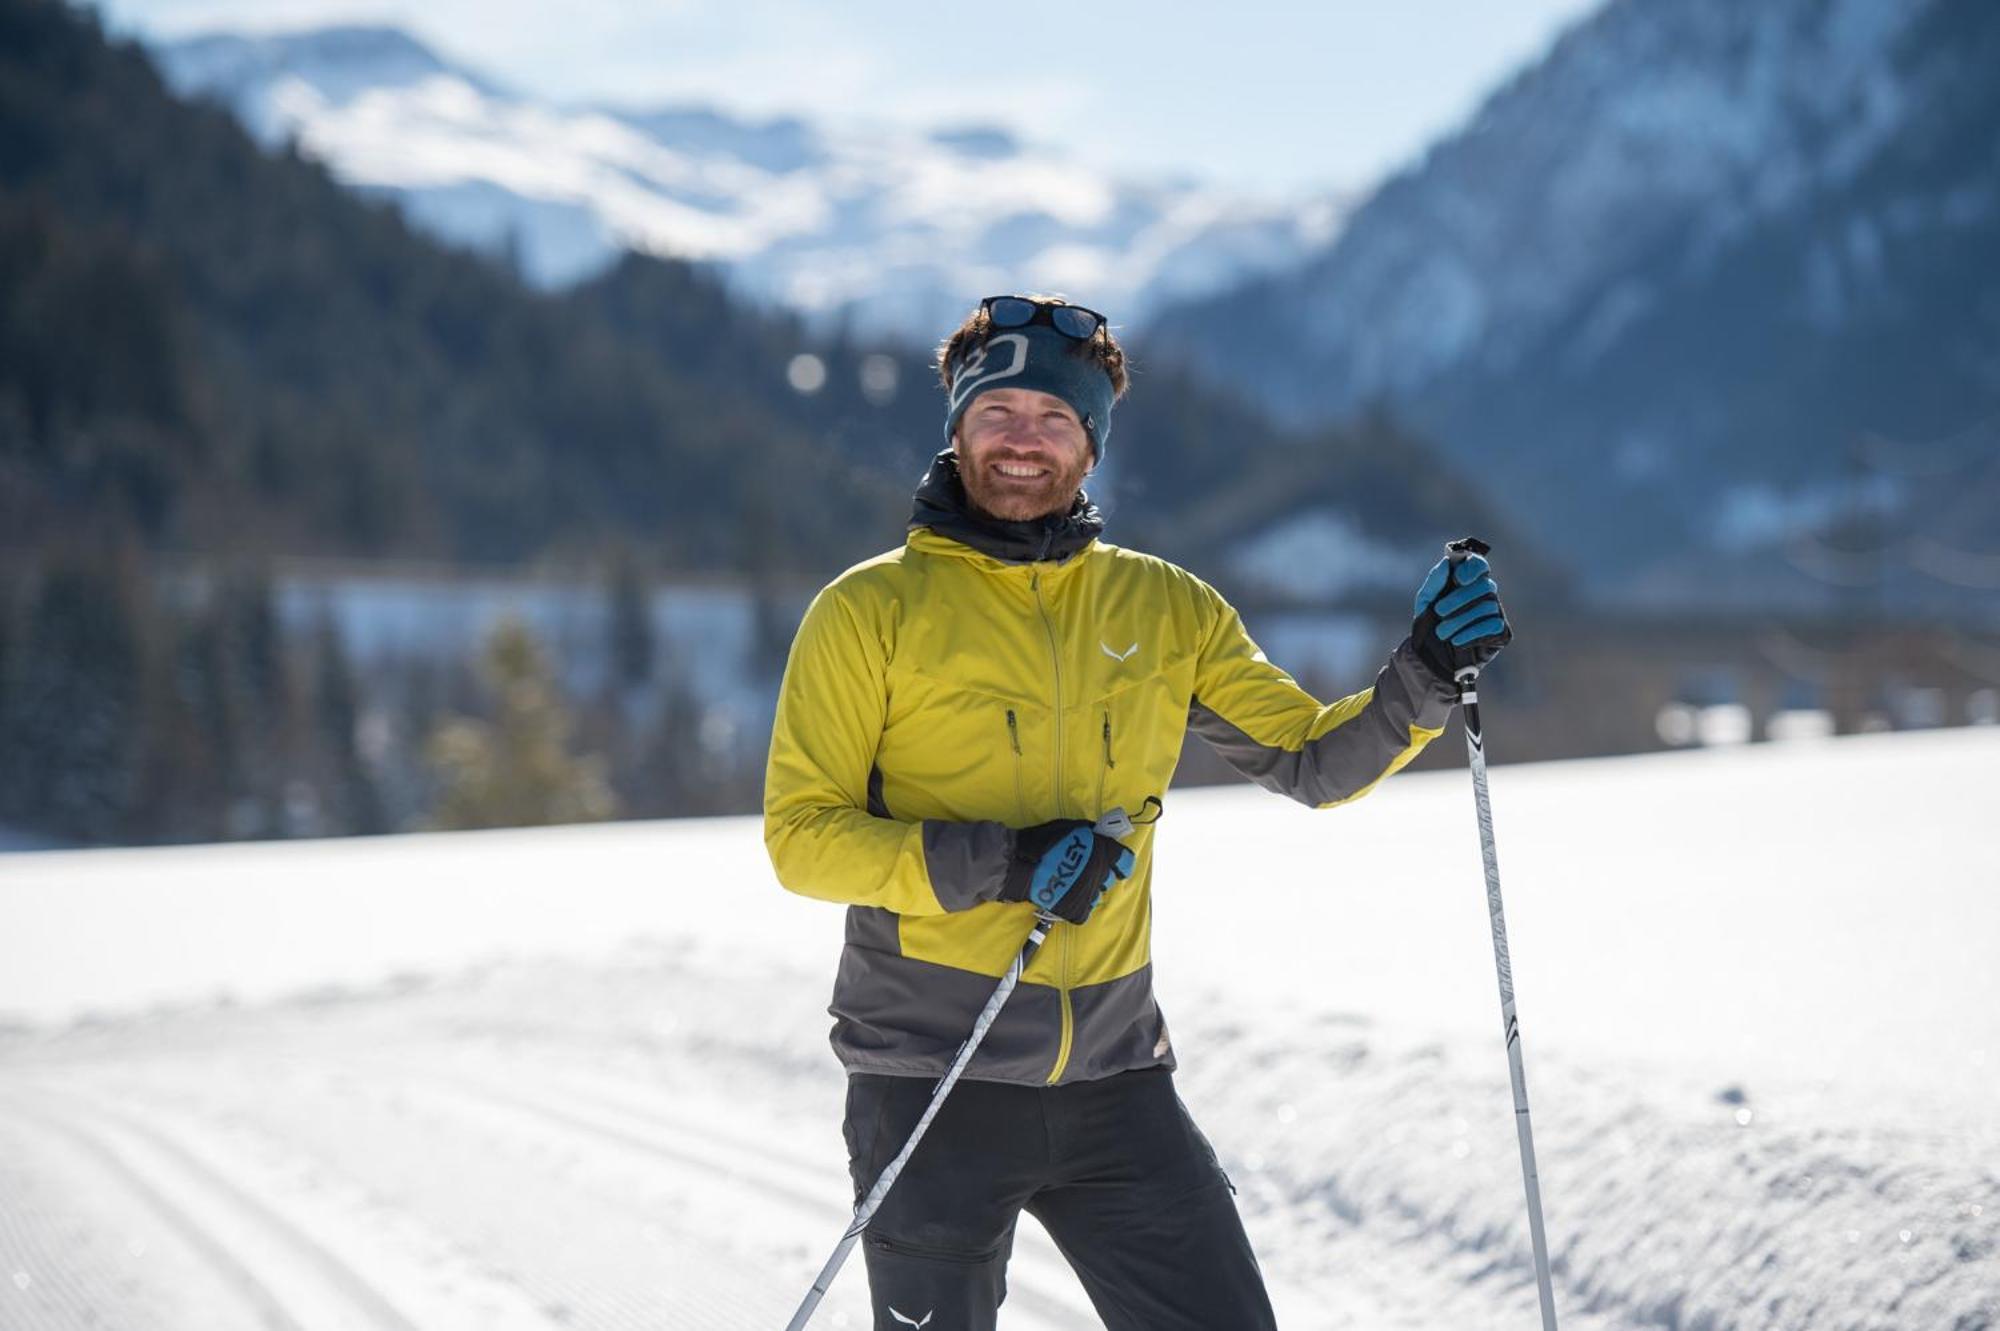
(1104, 772)
(1014, 741)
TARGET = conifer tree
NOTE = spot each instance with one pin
(73, 723)
(356, 798)
(516, 770)
(632, 646)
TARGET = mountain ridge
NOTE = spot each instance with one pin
(207, 346)
(878, 229)
(1666, 284)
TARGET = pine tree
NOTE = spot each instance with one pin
(73, 723)
(357, 801)
(516, 770)
(633, 649)
(198, 735)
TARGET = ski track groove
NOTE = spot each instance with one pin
(517, 1149)
(1022, 1294)
(389, 1081)
(564, 1301)
(241, 1282)
(812, 1176)
(440, 1091)
(807, 1196)
(61, 1291)
(348, 1284)
(1378, 1296)
(1417, 1244)
(24, 1252)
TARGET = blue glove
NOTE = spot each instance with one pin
(1460, 624)
(1064, 868)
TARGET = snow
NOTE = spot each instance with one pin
(1319, 554)
(1751, 515)
(577, 1077)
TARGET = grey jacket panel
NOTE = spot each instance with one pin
(874, 928)
(896, 1015)
(1349, 758)
(1118, 1027)
(966, 861)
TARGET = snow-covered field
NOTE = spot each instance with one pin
(577, 1078)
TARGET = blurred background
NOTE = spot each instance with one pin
(421, 417)
(438, 416)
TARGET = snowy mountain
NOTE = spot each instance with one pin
(1666, 283)
(887, 228)
(1656, 125)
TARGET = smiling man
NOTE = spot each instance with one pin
(1022, 453)
(955, 717)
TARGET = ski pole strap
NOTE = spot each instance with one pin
(1118, 824)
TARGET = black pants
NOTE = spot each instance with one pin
(1115, 1170)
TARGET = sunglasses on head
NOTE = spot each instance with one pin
(1072, 321)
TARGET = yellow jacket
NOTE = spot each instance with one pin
(938, 696)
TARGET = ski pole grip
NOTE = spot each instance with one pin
(1456, 551)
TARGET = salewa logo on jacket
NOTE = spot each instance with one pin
(911, 1321)
(1117, 656)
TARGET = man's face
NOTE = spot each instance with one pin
(1022, 454)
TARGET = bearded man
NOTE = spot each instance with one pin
(956, 716)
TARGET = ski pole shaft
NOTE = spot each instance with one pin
(869, 1204)
(1475, 743)
(1116, 824)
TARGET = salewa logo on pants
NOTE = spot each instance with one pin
(911, 1321)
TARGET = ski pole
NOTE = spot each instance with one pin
(1475, 743)
(1116, 824)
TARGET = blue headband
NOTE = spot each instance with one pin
(1041, 359)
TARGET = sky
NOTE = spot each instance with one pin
(1265, 96)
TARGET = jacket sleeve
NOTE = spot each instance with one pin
(1284, 739)
(825, 827)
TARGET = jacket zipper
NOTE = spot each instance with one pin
(1068, 1017)
(1062, 967)
(1055, 661)
(1014, 738)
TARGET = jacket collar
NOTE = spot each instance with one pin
(941, 505)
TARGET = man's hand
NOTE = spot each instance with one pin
(1459, 622)
(1064, 868)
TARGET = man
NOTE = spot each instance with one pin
(954, 717)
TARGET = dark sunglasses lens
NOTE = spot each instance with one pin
(1073, 322)
(1010, 311)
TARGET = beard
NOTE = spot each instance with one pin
(1017, 499)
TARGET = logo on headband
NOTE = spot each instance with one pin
(975, 374)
